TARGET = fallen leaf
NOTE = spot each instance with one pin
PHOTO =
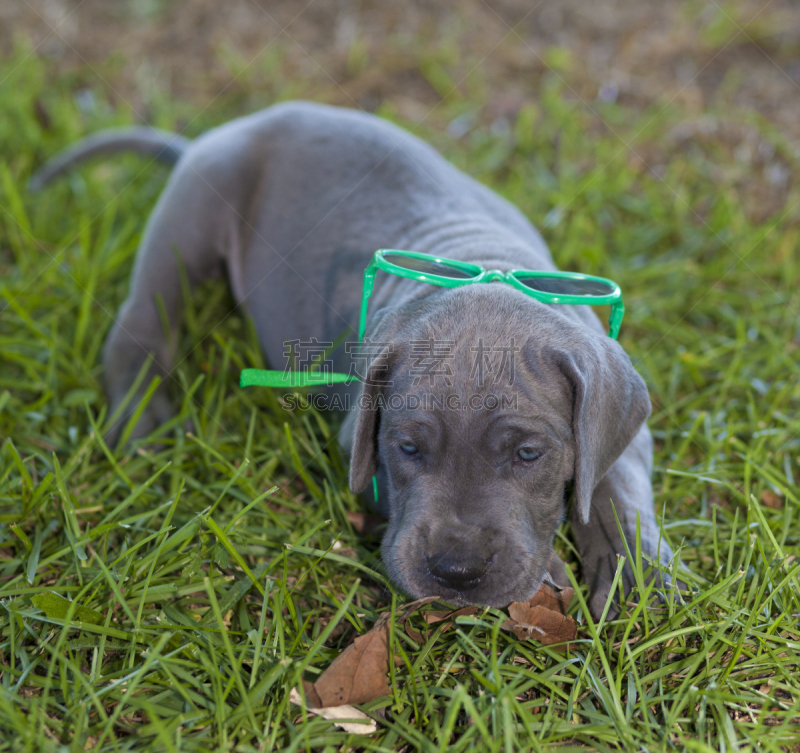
(544, 616)
(415, 635)
(433, 618)
(358, 674)
(771, 500)
(413, 606)
(541, 623)
(337, 715)
(555, 599)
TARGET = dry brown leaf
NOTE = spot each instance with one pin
(771, 500)
(450, 617)
(415, 635)
(336, 714)
(522, 632)
(543, 617)
(433, 618)
(358, 674)
(413, 606)
(407, 611)
(557, 599)
(541, 623)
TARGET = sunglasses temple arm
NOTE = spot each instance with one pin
(617, 312)
(369, 281)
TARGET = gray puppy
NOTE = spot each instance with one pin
(477, 446)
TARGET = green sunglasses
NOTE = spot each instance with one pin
(547, 287)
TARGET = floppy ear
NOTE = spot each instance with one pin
(359, 433)
(610, 404)
(364, 448)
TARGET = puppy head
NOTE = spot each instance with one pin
(480, 409)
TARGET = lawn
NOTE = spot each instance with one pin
(169, 596)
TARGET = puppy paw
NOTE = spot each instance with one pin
(159, 410)
(604, 578)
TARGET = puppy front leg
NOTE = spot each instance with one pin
(627, 484)
(185, 222)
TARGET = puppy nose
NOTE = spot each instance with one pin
(458, 570)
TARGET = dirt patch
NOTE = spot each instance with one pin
(700, 55)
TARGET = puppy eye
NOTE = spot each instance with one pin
(529, 454)
(409, 448)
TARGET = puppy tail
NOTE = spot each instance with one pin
(162, 145)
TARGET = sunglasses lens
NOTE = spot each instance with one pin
(428, 267)
(567, 286)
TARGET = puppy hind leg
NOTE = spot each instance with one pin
(182, 231)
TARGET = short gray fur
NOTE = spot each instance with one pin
(292, 201)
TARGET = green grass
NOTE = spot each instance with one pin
(213, 573)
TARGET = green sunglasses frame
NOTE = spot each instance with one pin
(481, 274)
(477, 274)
